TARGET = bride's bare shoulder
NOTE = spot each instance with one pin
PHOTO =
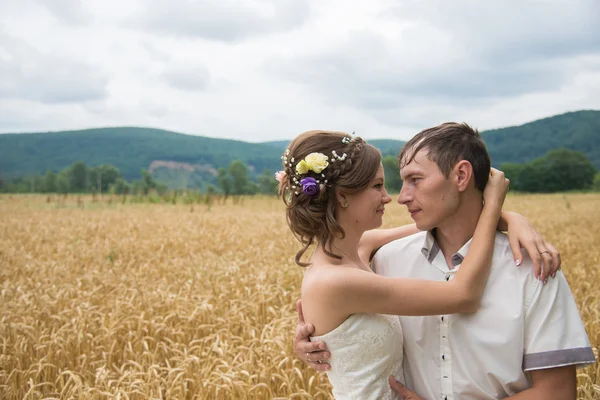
(329, 280)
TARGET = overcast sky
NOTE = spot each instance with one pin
(260, 70)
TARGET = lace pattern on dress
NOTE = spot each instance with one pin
(365, 350)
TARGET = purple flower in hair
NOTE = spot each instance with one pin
(310, 186)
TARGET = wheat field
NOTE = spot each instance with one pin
(194, 301)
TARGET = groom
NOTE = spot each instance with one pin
(526, 339)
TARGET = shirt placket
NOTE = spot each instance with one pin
(446, 355)
(445, 352)
(444, 320)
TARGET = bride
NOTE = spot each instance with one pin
(333, 187)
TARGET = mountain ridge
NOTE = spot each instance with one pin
(134, 148)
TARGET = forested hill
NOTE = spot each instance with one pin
(388, 147)
(129, 149)
(133, 149)
(579, 131)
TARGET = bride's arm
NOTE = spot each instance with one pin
(372, 240)
(356, 291)
(521, 234)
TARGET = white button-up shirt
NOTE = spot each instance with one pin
(521, 325)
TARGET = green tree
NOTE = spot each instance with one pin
(62, 182)
(557, 171)
(393, 182)
(92, 180)
(148, 182)
(50, 182)
(137, 187)
(160, 188)
(531, 179)
(596, 184)
(78, 177)
(239, 177)
(267, 183)
(224, 182)
(251, 187)
(36, 184)
(571, 169)
(105, 175)
(120, 186)
(22, 185)
(513, 172)
(210, 189)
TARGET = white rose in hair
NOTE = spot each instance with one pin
(317, 162)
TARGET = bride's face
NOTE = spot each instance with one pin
(366, 208)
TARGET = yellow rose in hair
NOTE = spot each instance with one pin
(317, 162)
(302, 167)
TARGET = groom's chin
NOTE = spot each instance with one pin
(423, 226)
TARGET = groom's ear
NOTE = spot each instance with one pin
(463, 175)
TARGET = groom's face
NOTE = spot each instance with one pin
(429, 196)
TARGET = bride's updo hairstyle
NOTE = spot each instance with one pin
(329, 161)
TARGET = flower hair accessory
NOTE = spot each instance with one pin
(315, 162)
(348, 139)
(310, 186)
(280, 176)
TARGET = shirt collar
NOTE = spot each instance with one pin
(430, 250)
(430, 247)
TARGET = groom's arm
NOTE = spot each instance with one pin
(549, 384)
(315, 354)
(555, 342)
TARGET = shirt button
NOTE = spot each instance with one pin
(447, 277)
(442, 318)
(443, 357)
(445, 397)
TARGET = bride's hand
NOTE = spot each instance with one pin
(496, 188)
(545, 257)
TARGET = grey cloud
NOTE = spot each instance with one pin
(468, 82)
(468, 52)
(155, 52)
(368, 76)
(31, 75)
(222, 20)
(512, 29)
(71, 12)
(187, 78)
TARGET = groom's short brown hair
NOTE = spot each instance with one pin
(448, 144)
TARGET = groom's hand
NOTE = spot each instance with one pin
(402, 390)
(315, 354)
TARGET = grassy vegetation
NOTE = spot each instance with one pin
(106, 298)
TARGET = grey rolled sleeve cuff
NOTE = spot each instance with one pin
(581, 357)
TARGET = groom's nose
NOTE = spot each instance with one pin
(404, 195)
(401, 197)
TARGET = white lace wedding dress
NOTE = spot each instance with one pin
(365, 350)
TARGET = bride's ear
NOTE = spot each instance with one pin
(341, 199)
